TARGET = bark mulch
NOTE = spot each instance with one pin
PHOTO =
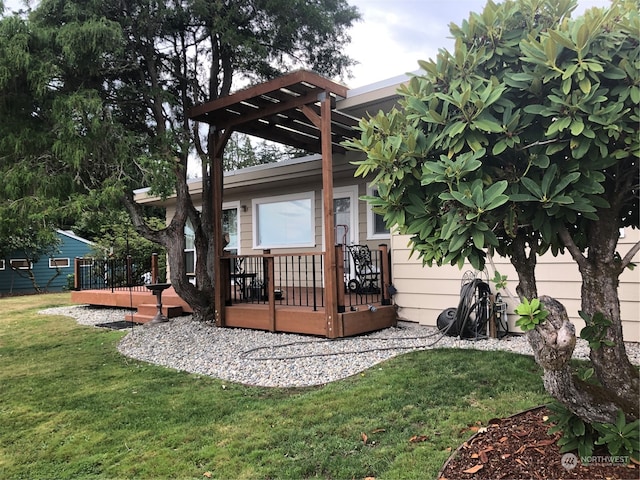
(519, 447)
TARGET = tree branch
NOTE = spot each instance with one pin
(626, 260)
(568, 242)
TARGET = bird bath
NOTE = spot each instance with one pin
(157, 289)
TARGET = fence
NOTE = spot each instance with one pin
(298, 280)
(115, 273)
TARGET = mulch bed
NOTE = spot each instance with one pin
(519, 447)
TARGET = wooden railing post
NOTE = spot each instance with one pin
(225, 276)
(269, 275)
(76, 273)
(386, 274)
(154, 268)
(340, 284)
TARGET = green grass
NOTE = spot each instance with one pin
(72, 407)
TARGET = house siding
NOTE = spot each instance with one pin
(12, 282)
(424, 292)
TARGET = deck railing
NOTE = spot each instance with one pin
(298, 279)
(115, 273)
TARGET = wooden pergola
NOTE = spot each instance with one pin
(297, 110)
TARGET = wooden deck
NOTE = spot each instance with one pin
(357, 319)
(123, 298)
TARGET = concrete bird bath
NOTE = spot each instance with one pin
(157, 289)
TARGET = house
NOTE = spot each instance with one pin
(281, 210)
(51, 274)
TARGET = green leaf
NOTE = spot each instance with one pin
(577, 126)
(499, 147)
(488, 125)
(478, 239)
(532, 186)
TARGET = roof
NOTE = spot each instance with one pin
(281, 110)
(70, 234)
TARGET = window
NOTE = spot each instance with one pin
(231, 225)
(59, 263)
(86, 262)
(20, 264)
(376, 228)
(2, 266)
(189, 249)
(284, 221)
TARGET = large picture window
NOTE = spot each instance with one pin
(284, 221)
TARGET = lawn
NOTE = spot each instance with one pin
(72, 407)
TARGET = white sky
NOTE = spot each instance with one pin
(394, 34)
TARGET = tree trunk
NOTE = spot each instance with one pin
(525, 266)
(600, 271)
(611, 363)
(553, 342)
(200, 296)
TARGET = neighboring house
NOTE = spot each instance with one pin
(280, 207)
(49, 272)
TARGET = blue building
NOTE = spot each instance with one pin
(14, 268)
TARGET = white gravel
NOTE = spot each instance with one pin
(267, 359)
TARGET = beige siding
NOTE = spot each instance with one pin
(423, 292)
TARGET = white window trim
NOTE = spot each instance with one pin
(20, 260)
(236, 205)
(371, 235)
(2, 264)
(51, 265)
(187, 250)
(350, 191)
(283, 198)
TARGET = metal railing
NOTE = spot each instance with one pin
(114, 273)
(298, 280)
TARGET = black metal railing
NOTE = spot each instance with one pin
(298, 280)
(112, 273)
(362, 281)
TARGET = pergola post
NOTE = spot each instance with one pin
(217, 141)
(333, 324)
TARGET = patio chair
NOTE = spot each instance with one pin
(366, 273)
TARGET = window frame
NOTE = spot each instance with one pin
(230, 206)
(192, 250)
(255, 207)
(3, 264)
(67, 260)
(12, 260)
(371, 219)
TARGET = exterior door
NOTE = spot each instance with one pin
(345, 207)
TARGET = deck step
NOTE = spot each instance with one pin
(147, 311)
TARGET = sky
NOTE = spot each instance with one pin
(394, 34)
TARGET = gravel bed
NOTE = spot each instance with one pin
(268, 359)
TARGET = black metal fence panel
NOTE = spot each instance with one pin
(113, 273)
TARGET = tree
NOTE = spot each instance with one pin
(117, 78)
(29, 242)
(524, 140)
